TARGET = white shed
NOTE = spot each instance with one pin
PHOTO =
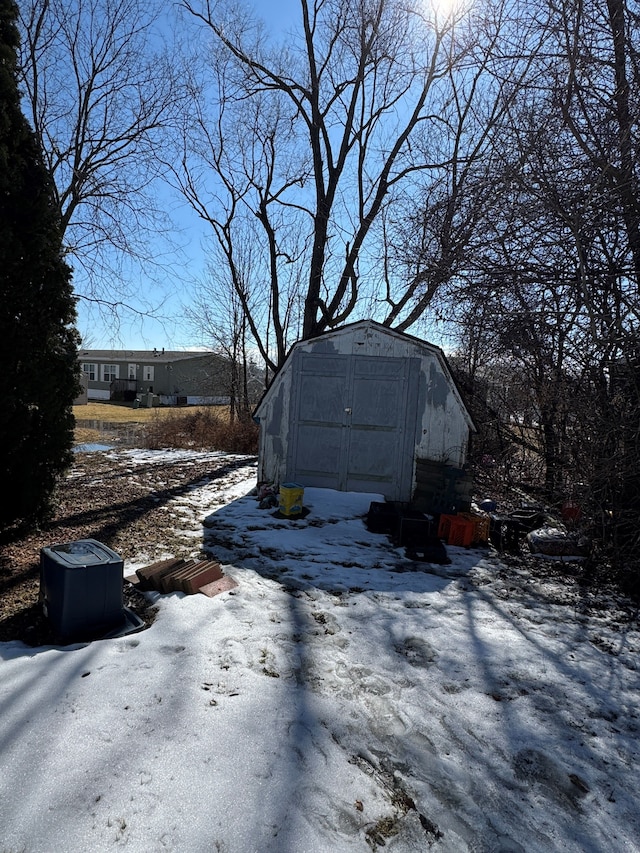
(358, 409)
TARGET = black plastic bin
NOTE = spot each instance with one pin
(382, 517)
(81, 588)
(414, 528)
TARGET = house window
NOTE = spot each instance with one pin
(109, 372)
(132, 371)
(147, 373)
(91, 371)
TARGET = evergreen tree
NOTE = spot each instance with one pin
(38, 341)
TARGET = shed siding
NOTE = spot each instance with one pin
(440, 422)
(274, 432)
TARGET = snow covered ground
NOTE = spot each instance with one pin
(339, 698)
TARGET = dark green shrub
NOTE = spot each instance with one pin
(38, 343)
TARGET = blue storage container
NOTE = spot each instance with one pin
(81, 588)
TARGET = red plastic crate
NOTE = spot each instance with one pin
(444, 525)
(480, 527)
(461, 532)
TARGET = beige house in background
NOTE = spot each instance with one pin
(156, 377)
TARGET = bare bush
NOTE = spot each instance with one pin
(202, 429)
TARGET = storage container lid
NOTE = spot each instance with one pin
(83, 552)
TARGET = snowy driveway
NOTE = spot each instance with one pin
(333, 701)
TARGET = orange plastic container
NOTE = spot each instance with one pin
(444, 525)
(461, 531)
(480, 527)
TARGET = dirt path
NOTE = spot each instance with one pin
(123, 505)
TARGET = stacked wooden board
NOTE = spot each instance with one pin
(178, 574)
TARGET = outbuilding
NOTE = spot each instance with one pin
(367, 409)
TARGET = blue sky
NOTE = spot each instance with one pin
(157, 299)
(160, 297)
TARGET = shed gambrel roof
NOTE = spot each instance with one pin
(363, 325)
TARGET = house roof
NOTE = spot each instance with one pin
(161, 356)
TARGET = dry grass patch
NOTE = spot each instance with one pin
(202, 429)
(166, 426)
(124, 413)
(191, 427)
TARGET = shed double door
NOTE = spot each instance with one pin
(353, 423)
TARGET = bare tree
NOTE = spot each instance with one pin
(244, 208)
(557, 277)
(100, 90)
(599, 101)
(319, 138)
(448, 214)
(601, 107)
(218, 318)
(542, 284)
